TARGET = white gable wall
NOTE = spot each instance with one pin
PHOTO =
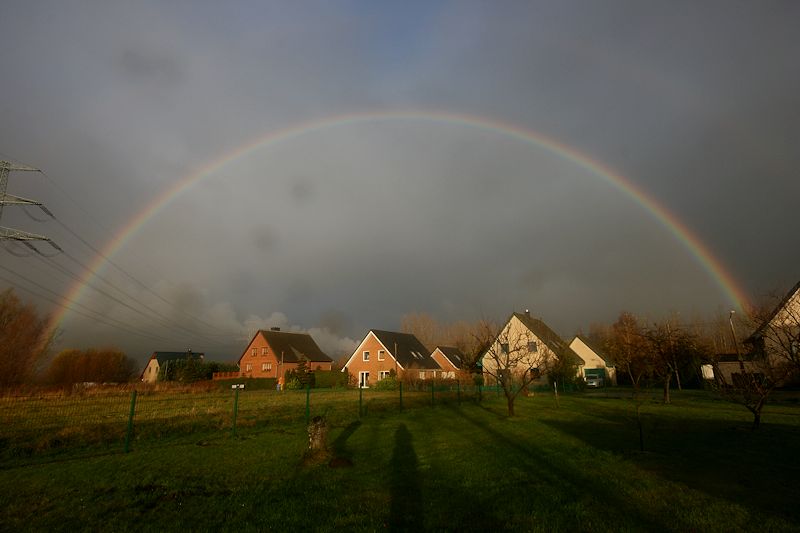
(517, 335)
(591, 360)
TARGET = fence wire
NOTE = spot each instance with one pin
(48, 426)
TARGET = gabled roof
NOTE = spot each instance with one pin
(163, 357)
(406, 349)
(786, 299)
(453, 355)
(594, 348)
(292, 346)
(549, 337)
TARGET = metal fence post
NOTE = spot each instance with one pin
(131, 414)
(308, 398)
(235, 409)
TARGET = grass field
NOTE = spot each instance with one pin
(468, 467)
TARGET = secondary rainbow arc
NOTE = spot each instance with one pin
(713, 266)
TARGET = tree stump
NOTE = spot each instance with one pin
(318, 434)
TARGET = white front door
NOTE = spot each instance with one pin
(363, 379)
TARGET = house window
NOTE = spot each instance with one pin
(384, 374)
(264, 351)
(269, 366)
(421, 374)
(381, 355)
(533, 347)
(266, 367)
(366, 355)
(363, 379)
(249, 367)
(253, 352)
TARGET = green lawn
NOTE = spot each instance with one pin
(577, 467)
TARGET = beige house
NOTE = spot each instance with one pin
(593, 363)
(525, 345)
(775, 345)
(162, 360)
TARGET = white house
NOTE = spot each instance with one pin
(594, 363)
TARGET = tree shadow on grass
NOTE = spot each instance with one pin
(755, 469)
(562, 483)
(340, 444)
(406, 500)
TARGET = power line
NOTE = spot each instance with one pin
(88, 313)
(24, 237)
(121, 297)
(133, 278)
(108, 260)
(63, 270)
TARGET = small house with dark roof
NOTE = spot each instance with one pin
(162, 360)
(528, 345)
(272, 352)
(382, 352)
(450, 359)
(594, 364)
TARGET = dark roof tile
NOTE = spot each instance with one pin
(407, 349)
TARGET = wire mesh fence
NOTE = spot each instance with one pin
(51, 425)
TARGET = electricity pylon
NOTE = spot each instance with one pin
(10, 234)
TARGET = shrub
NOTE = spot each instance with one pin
(293, 383)
(330, 379)
(387, 383)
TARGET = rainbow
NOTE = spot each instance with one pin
(691, 242)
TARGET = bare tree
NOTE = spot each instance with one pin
(514, 358)
(777, 334)
(467, 336)
(107, 365)
(25, 339)
(424, 327)
(770, 358)
(628, 348)
(671, 348)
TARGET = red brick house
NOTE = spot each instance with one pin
(451, 361)
(383, 351)
(271, 353)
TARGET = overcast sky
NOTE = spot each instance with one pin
(351, 226)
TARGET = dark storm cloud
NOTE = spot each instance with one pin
(264, 238)
(149, 66)
(302, 191)
(695, 104)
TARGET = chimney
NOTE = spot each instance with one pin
(274, 328)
